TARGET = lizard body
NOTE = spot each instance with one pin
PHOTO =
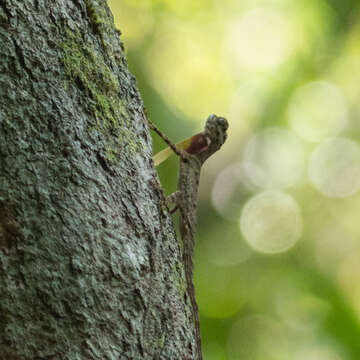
(185, 198)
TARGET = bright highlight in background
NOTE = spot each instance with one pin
(271, 222)
(260, 40)
(274, 158)
(231, 250)
(334, 167)
(231, 189)
(317, 110)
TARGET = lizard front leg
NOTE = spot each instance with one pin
(173, 147)
(173, 199)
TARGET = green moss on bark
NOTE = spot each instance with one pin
(86, 68)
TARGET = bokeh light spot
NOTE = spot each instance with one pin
(271, 222)
(317, 110)
(261, 39)
(274, 157)
(334, 167)
(228, 251)
(231, 189)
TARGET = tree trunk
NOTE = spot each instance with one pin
(90, 267)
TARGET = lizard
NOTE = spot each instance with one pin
(198, 149)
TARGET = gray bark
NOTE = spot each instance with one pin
(90, 267)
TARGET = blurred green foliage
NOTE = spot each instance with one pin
(277, 265)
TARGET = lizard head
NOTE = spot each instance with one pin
(215, 130)
(201, 145)
(215, 134)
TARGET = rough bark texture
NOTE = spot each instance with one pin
(89, 264)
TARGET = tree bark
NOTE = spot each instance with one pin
(90, 267)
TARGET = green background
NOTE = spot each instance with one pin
(277, 263)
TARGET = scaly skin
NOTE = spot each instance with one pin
(202, 147)
(186, 200)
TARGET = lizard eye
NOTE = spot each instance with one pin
(223, 123)
(216, 124)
